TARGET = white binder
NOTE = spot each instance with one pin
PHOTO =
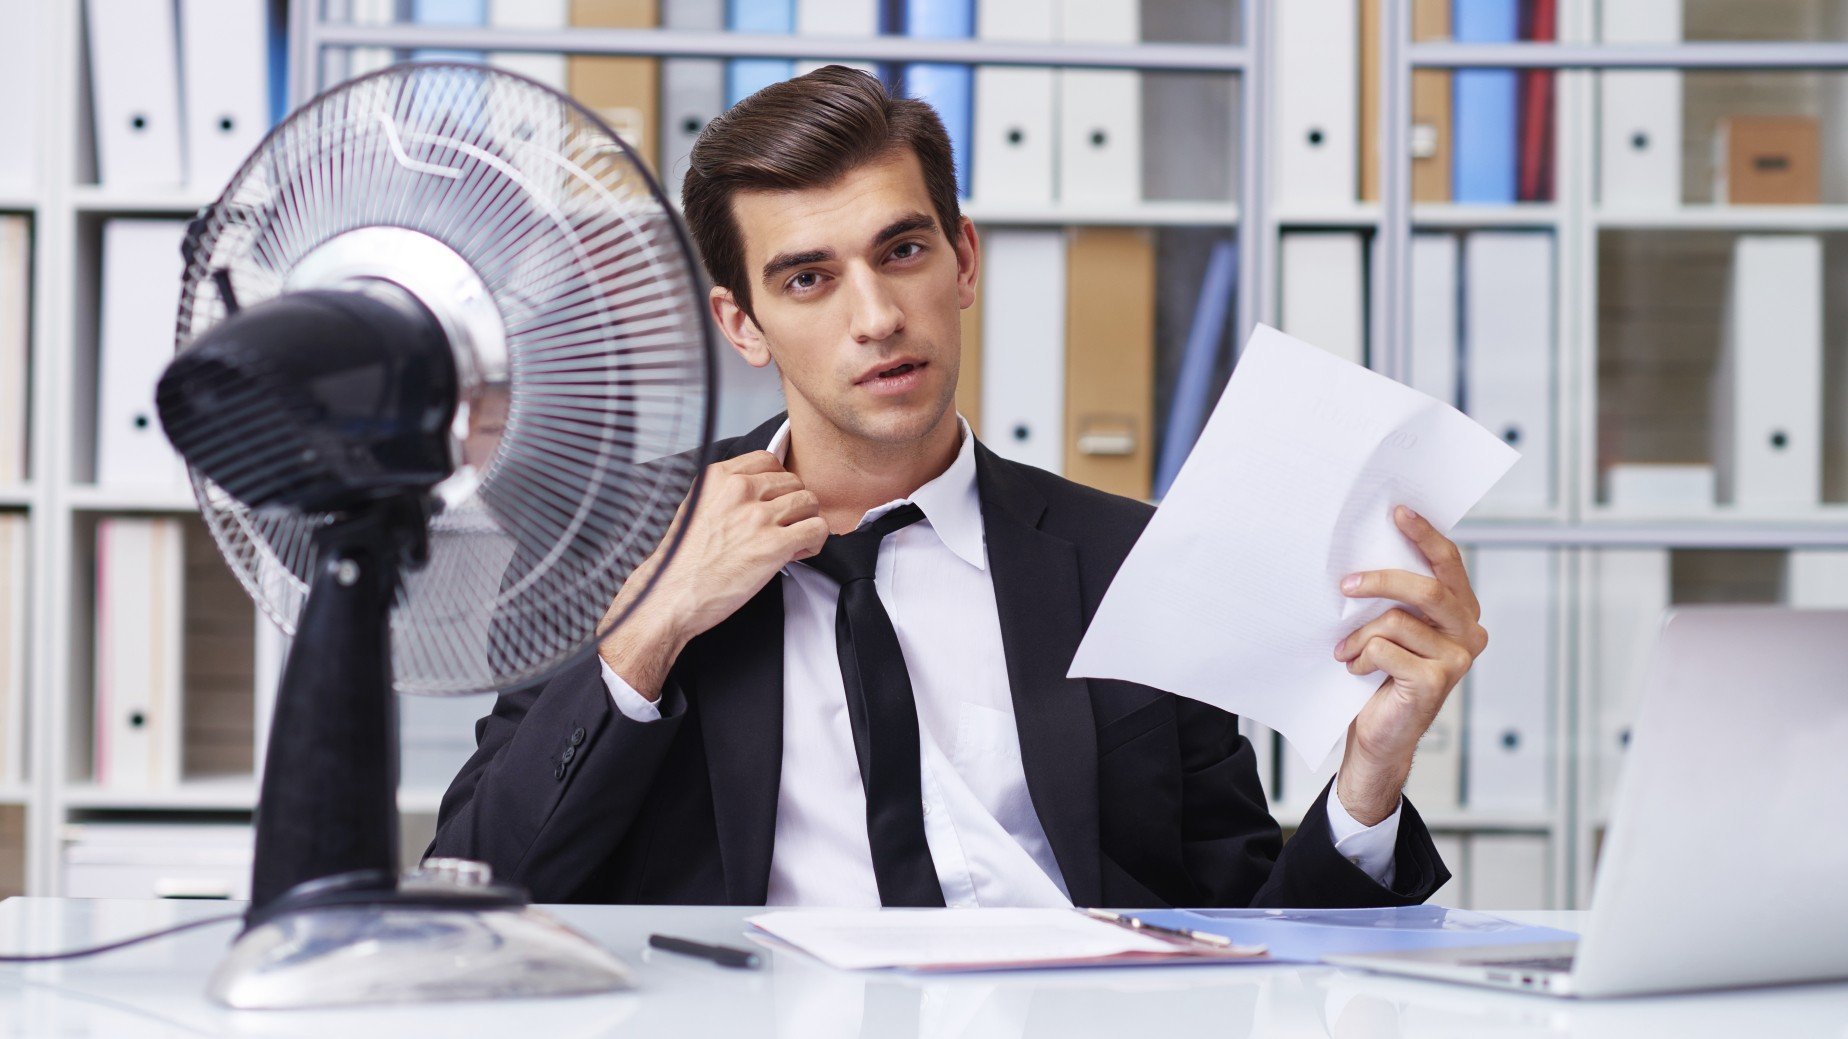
(1023, 337)
(1639, 117)
(1317, 156)
(530, 14)
(1455, 892)
(15, 555)
(361, 60)
(1630, 590)
(1323, 286)
(1509, 871)
(1817, 578)
(135, 93)
(1659, 487)
(1099, 111)
(1508, 350)
(15, 332)
(692, 89)
(857, 18)
(747, 396)
(19, 85)
(141, 296)
(1509, 690)
(1436, 782)
(1014, 135)
(1435, 305)
(157, 860)
(225, 86)
(139, 624)
(1768, 426)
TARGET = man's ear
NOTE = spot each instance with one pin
(739, 328)
(968, 263)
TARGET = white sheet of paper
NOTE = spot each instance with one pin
(1232, 595)
(864, 939)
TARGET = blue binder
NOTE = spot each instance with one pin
(950, 89)
(1484, 106)
(1193, 386)
(746, 76)
(448, 12)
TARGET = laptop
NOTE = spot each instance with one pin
(1726, 862)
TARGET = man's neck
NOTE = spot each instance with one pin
(852, 476)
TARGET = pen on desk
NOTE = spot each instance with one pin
(723, 955)
(1217, 941)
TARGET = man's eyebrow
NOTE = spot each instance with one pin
(904, 225)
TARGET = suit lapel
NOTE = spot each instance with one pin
(738, 693)
(1038, 596)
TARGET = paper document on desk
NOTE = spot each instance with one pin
(1232, 594)
(974, 939)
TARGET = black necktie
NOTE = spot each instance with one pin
(883, 714)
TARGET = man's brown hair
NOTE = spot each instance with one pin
(806, 132)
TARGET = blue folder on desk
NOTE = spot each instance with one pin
(1312, 935)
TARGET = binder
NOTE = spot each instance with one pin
(969, 366)
(225, 81)
(1323, 284)
(1429, 143)
(530, 14)
(1436, 782)
(746, 76)
(858, 18)
(1188, 117)
(1630, 590)
(218, 662)
(1536, 98)
(1196, 382)
(950, 89)
(692, 89)
(1816, 578)
(19, 84)
(1508, 357)
(1639, 113)
(1110, 360)
(361, 60)
(139, 623)
(15, 344)
(1509, 871)
(1013, 145)
(1099, 111)
(448, 12)
(1317, 94)
(157, 860)
(141, 290)
(1508, 692)
(1768, 422)
(1435, 307)
(1455, 892)
(747, 395)
(1660, 488)
(625, 92)
(1023, 338)
(1484, 103)
(15, 575)
(135, 93)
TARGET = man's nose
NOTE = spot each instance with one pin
(876, 313)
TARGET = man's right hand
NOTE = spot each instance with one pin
(754, 517)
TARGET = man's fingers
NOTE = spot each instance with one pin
(1403, 665)
(1402, 628)
(797, 505)
(1445, 557)
(750, 462)
(1428, 596)
(806, 536)
(772, 485)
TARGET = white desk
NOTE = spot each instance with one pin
(156, 989)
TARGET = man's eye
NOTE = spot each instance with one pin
(907, 250)
(805, 280)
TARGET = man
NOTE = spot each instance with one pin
(798, 716)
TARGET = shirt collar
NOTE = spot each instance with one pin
(950, 502)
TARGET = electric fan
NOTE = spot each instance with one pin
(442, 382)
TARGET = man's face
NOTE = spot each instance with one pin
(857, 292)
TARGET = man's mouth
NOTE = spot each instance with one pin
(897, 371)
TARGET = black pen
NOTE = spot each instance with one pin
(723, 955)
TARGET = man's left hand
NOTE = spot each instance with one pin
(1424, 651)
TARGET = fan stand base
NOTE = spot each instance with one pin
(416, 944)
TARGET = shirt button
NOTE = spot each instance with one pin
(927, 808)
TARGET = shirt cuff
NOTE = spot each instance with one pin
(636, 707)
(1368, 847)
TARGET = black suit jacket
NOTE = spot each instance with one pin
(1147, 798)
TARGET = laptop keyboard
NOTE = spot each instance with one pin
(1551, 963)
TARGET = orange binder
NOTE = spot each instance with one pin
(1110, 360)
(625, 92)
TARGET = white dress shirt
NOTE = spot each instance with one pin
(984, 836)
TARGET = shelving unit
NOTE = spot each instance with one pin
(67, 208)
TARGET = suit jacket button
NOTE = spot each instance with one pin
(570, 752)
(559, 772)
(577, 736)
